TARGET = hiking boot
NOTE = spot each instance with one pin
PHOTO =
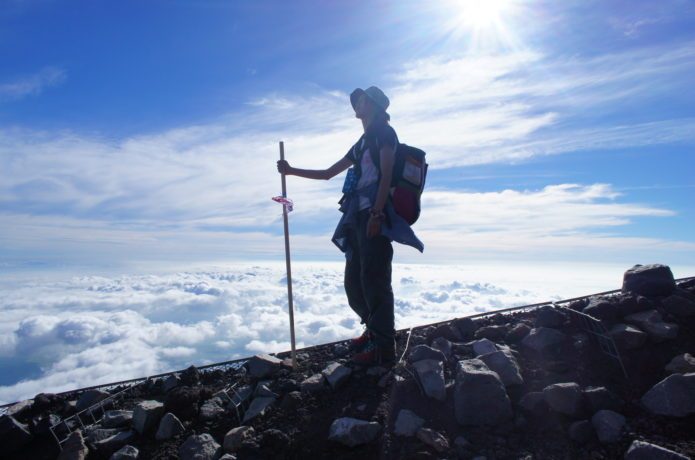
(374, 354)
(358, 343)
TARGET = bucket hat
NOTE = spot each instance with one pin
(375, 94)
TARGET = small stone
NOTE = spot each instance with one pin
(353, 432)
(433, 439)
(407, 423)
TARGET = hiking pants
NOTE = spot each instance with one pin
(368, 280)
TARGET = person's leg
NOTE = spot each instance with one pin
(376, 258)
(353, 280)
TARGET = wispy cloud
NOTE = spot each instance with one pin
(32, 85)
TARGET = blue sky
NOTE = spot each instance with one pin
(147, 131)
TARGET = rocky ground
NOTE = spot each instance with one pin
(523, 385)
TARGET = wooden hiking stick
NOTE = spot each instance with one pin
(287, 260)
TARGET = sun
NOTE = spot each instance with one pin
(486, 22)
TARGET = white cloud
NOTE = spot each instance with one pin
(87, 330)
(32, 85)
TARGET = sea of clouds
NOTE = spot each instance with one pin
(62, 334)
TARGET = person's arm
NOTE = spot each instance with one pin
(321, 174)
(376, 214)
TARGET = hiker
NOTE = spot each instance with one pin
(368, 225)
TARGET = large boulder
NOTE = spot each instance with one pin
(504, 363)
(200, 447)
(599, 398)
(211, 410)
(108, 446)
(146, 416)
(261, 366)
(316, 382)
(674, 396)
(608, 425)
(448, 331)
(517, 333)
(492, 332)
(353, 432)
(581, 432)
(649, 280)
(443, 345)
(479, 395)
(640, 450)
(466, 327)
(565, 398)
(483, 347)
(543, 339)
(430, 373)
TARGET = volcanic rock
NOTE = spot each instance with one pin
(447, 331)
(236, 436)
(211, 409)
(483, 347)
(680, 304)
(117, 418)
(407, 423)
(336, 374)
(430, 372)
(599, 398)
(258, 407)
(504, 363)
(89, 398)
(681, 364)
(433, 439)
(13, 434)
(353, 432)
(565, 398)
(443, 345)
(314, 383)
(107, 446)
(674, 396)
(200, 447)
(126, 452)
(550, 317)
(534, 403)
(421, 352)
(627, 337)
(608, 425)
(640, 450)
(649, 280)
(74, 447)
(466, 328)
(581, 432)
(602, 309)
(492, 332)
(542, 339)
(517, 333)
(169, 427)
(146, 416)
(261, 366)
(479, 395)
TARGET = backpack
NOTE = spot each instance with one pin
(407, 180)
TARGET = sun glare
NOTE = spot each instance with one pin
(486, 22)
